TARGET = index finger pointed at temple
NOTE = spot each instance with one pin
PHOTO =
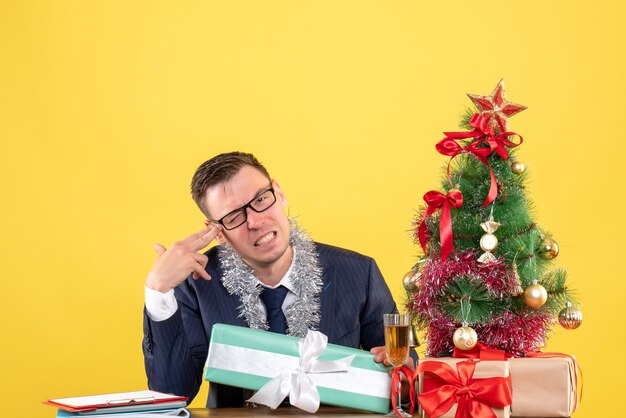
(206, 238)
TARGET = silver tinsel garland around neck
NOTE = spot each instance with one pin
(306, 276)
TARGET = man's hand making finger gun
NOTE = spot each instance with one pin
(175, 264)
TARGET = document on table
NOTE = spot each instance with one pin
(146, 403)
(157, 413)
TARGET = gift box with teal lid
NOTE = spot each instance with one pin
(308, 370)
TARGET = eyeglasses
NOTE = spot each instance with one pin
(262, 202)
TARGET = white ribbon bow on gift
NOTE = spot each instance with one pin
(297, 383)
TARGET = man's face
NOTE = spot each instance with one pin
(263, 240)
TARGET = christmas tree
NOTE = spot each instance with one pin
(487, 270)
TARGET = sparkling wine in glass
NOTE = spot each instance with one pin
(397, 346)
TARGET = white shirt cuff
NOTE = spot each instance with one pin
(160, 306)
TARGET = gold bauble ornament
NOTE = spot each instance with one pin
(535, 295)
(570, 317)
(465, 338)
(518, 167)
(549, 249)
(409, 281)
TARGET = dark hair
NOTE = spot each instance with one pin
(220, 168)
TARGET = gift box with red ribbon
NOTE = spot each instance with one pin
(544, 386)
(456, 387)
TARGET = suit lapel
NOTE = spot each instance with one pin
(229, 305)
(327, 302)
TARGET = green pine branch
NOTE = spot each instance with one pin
(558, 294)
(467, 299)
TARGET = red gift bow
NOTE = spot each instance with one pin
(435, 200)
(482, 352)
(475, 397)
(396, 382)
(578, 370)
(484, 134)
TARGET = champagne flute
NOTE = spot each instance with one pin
(397, 347)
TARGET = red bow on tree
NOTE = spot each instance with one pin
(474, 397)
(485, 135)
(435, 200)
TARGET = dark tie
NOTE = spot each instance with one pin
(273, 300)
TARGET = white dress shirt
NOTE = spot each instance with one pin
(161, 306)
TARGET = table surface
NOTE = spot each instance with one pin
(326, 411)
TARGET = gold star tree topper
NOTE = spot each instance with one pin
(496, 108)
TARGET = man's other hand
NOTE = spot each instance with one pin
(381, 357)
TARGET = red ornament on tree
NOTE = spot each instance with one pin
(496, 108)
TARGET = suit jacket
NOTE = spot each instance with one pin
(353, 300)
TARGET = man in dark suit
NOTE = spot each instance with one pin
(265, 274)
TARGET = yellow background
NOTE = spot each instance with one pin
(107, 108)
